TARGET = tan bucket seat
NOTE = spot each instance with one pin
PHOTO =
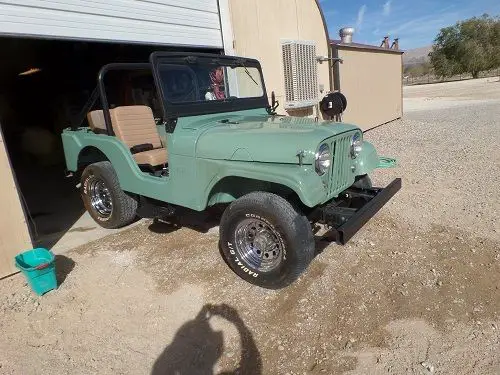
(96, 121)
(135, 126)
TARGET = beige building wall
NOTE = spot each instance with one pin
(371, 80)
(14, 234)
(260, 25)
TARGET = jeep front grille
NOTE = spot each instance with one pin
(341, 176)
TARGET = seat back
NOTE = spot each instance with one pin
(135, 125)
(96, 121)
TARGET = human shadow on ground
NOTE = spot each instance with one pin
(64, 266)
(196, 347)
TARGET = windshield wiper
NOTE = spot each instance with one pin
(248, 73)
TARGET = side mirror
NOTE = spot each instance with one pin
(274, 103)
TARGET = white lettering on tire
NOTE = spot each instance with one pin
(239, 263)
(85, 184)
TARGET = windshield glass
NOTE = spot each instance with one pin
(206, 81)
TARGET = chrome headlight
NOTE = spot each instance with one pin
(356, 144)
(323, 159)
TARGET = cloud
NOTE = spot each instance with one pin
(420, 31)
(361, 16)
(386, 11)
(425, 24)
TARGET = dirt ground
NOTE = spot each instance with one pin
(484, 88)
(417, 291)
(452, 94)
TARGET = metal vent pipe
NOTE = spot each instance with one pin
(346, 34)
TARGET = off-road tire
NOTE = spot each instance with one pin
(124, 205)
(290, 228)
(363, 182)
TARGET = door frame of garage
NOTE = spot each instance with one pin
(15, 235)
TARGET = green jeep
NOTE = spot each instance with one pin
(216, 141)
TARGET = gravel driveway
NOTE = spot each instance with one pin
(417, 291)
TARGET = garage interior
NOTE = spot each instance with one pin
(43, 86)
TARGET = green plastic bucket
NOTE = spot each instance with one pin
(38, 267)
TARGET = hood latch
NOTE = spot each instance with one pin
(301, 154)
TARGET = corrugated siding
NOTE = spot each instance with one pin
(187, 22)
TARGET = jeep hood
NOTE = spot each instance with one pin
(266, 139)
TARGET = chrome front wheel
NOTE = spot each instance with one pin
(258, 244)
(266, 240)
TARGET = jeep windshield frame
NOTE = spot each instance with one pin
(199, 99)
(172, 111)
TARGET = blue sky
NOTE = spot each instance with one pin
(415, 22)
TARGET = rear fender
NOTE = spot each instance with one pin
(131, 178)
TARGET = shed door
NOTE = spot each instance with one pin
(14, 233)
(166, 22)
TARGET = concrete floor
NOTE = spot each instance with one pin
(83, 231)
(57, 218)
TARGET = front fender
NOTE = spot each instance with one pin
(303, 180)
(367, 161)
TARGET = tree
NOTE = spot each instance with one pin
(470, 46)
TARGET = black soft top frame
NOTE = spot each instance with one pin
(170, 110)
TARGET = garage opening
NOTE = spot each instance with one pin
(43, 86)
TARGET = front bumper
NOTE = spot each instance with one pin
(353, 208)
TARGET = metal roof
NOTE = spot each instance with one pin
(338, 43)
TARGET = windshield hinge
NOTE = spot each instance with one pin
(170, 124)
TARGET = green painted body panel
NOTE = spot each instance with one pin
(368, 160)
(256, 136)
(214, 158)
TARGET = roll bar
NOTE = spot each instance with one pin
(100, 91)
